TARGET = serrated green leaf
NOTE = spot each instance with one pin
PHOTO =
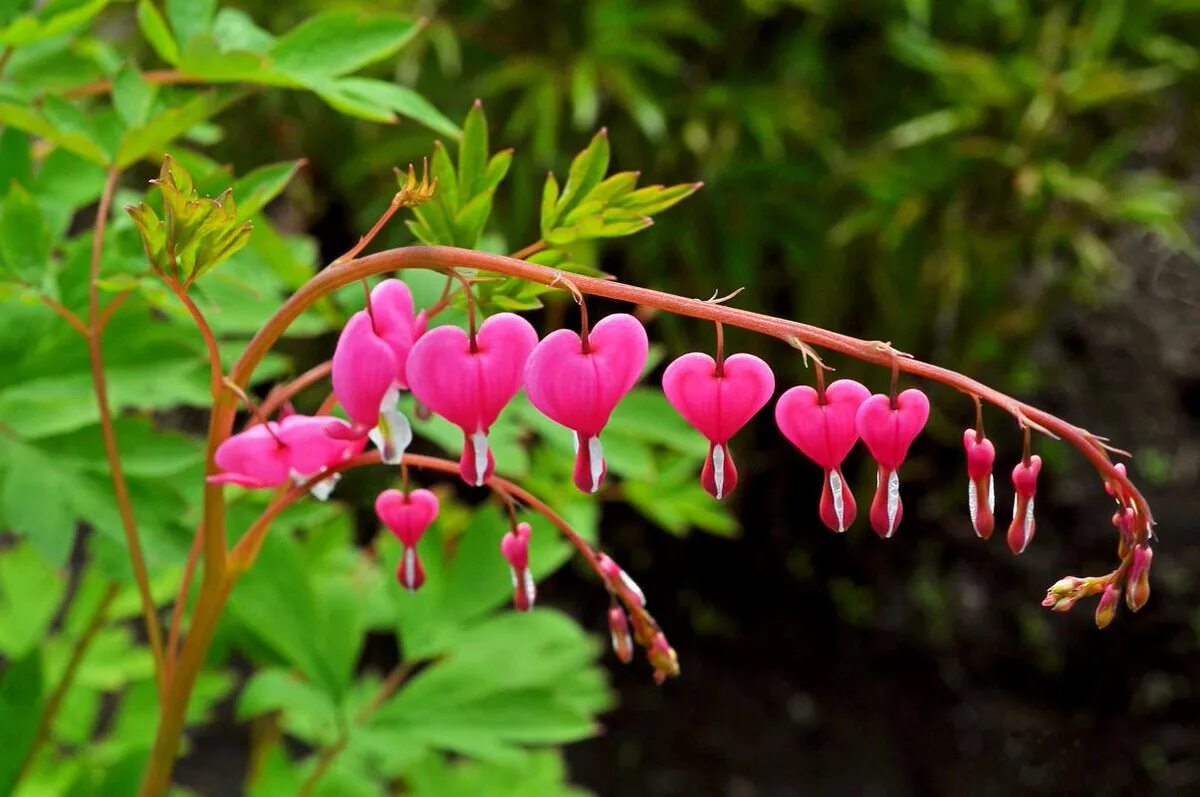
(49, 21)
(235, 30)
(24, 237)
(132, 96)
(256, 189)
(168, 125)
(586, 172)
(154, 28)
(49, 525)
(473, 153)
(549, 213)
(381, 101)
(336, 43)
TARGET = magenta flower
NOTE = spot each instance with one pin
(514, 546)
(468, 382)
(294, 449)
(408, 515)
(888, 428)
(577, 383)
(1024, 479)
(824, 431)
(981, 454)
(718, 402)
(369, 367)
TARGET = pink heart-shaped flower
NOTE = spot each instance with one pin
(407, 515)
(470, 386)
(395, 323)
(580, 389)
(718, 406)
(364, 369)
(294, 449)
(889, 430)
(824, 432)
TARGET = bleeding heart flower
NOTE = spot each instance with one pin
(718, 405)
(825, 431)
(369, 368)
(578, 386)
(468, 382)
(888, 428)
(515, 548)
(294, 449)
(1024, 479)
(981, 454)
(408, 515)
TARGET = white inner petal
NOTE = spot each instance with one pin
(973, 503)
(893, 500)
(512, 571)
(718, 462)
(839, 503)
(1028, 524)
(632, 586)
(530, 587)
(575, 442)
(596, 461)
(324, 488)
(479, 444)
(991, 494)
(396, 435)
(410, 568)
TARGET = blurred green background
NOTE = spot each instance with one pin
(1006, 188)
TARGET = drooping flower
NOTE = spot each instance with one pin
(468, 382)
(408, 515)
(718, 402)
(1106, 610)
(888, 428)
(824, 430)
(1137, 581)
(1024, 479)
(578, 384)
(514, 546)
(981, 487)
(294, 449)
(369, 367)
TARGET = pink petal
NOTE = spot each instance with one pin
(253, 458)
(364, 368)
(408, 516)
(316, 443)
(824, 433)
(888, 431)
(392, 304)
(718, 406)
(581, 390)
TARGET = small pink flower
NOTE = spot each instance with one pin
(718, 405)
(408, 515)
(618, 629)
(1024, 479)
(369, 367)
(981, 454)
(888, 428)
(1137, 581)
(1106, 610)
(825, 431)
(469, 385)
(294, 449)
(579, 388)
(514, 547)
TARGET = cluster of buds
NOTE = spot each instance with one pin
(628, 609)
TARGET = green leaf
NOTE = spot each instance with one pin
(30, 592)
(29, 120)
(308, 712)
(235, 30)
(586, 172)
(52, 19)
(24, 237)
(654, 199)
(339, 42)
(497, 168)
(473, 153)
(403, 101)
(48, 524)
(549, 203)
(132, 96)
(21, 705)
(471, 218)
(190, 18)
(155, 29)
(15, 159)
(255, 190)
(150, 138)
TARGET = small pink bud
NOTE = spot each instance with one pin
(407, 516)
(1024, 479)
(620, 581)
(1113, 487)
(579, 389)
(888, 429)
(514, 547)
(825, 431)
(662, 658)
(718, 405)
(1137, 581)
(981, 487)
(1124, 520)
(1106, 610)
(618, 627)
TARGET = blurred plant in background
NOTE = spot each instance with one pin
(940, 174)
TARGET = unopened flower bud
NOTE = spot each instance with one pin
(1107, 608)
(981, 487)
(1113, 487)
(618, 627)
(1024, 479)
(1066, 586)
(662, 658)
(1137, 581)
(1124, 519)
(620, 580)
(515, 549)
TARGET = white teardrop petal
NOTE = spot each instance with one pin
(839, 503)
(893, 500)
(596, 461)
(718, 463)
(479, 445)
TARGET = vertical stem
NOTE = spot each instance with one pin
(108, 433)
(210, 341)
(720, 349)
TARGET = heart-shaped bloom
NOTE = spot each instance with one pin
(824, 431)
(579, 386)
(469, 385)
(514, 547)
(370, 364)
(408, 515)
(718, 405)
(888, 428)
(981, 454)
(1024, 479)
(294, 449)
